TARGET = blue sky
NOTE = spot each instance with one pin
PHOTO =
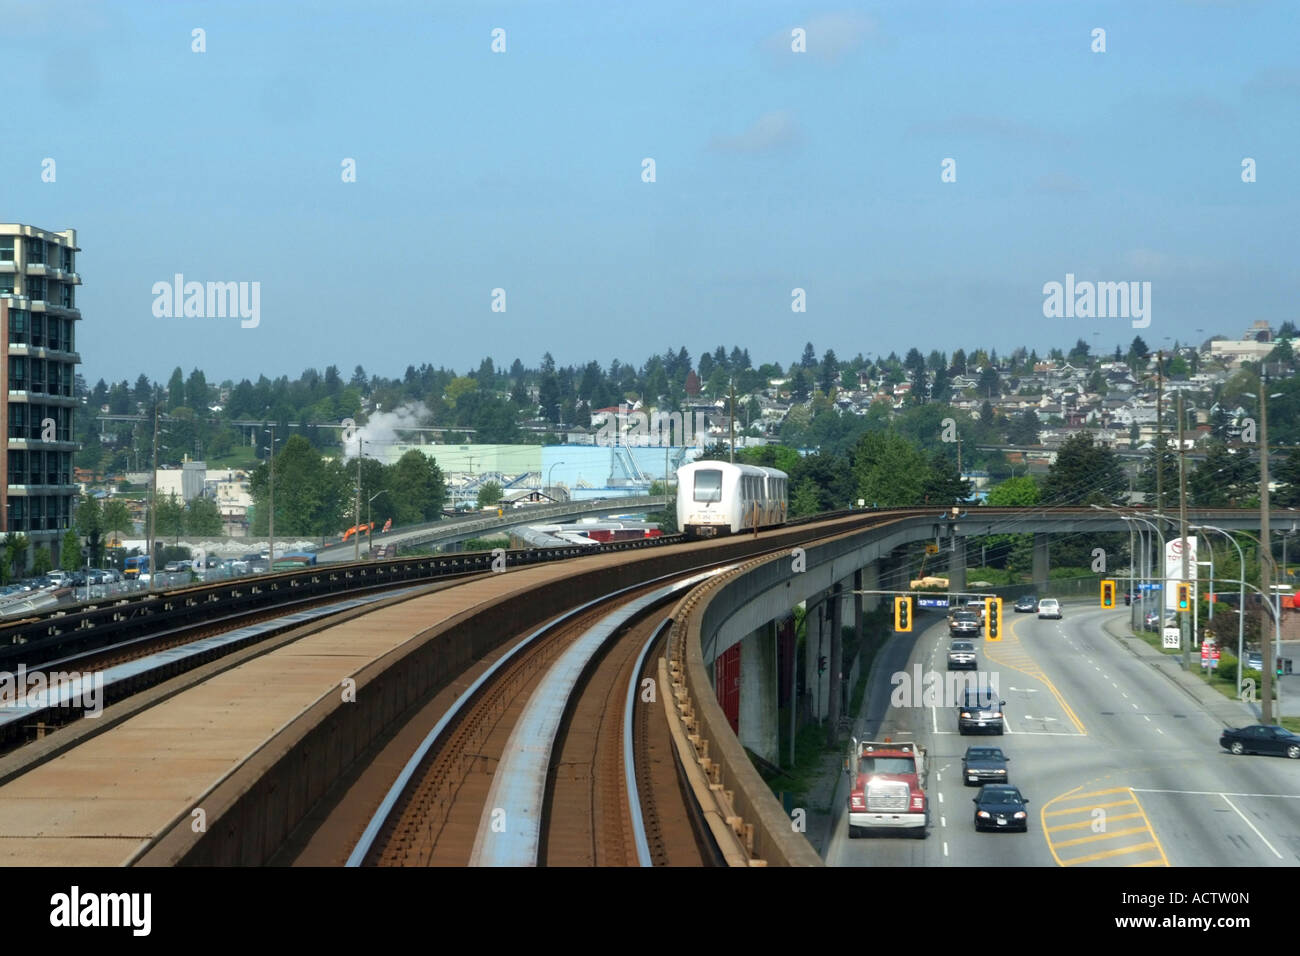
(775, 170)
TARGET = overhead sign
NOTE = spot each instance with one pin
(1150, 586)
(932, 602)
(1173, 638)
(1174, 569)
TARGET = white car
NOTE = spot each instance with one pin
(1049, 607)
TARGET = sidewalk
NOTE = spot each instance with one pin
(1231, 713)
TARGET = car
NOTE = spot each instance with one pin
(1261, 739)
(1151, 620)
(1027, 604)
(999, 806)
(961, 656)
(980, 712)
(981, 764)
(1049, 607)
(1255, 660)
(965, 623)
(174, 566)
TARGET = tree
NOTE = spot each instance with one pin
(830, 372)
(70, 551)
(15, 547)
(489, 494)
(169, 517)
(176, 390)
(416, 489)
(806, 500)
(88, 520)
(204, 517)
(42, 562)
(809, 359)
(890, 471)
(115, 520)
(943, 483)
(1084, 473)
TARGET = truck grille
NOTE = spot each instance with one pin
(887, 797)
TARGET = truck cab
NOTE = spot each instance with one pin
(888, 788)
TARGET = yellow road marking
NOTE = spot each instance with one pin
(1151, 828)
(1106, 835)
(1110, 854)
(1090, 807)
(1031, 669)
(1087, 823)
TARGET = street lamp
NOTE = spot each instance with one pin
(550, 470)
(270, 517)
(370, 538)
(1241, 599)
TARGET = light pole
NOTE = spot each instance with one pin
(370, 538)
(1241, 600)
(270, 510)
(1266, 548)
(550, 470)
(356, 508)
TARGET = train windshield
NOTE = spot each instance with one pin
(708, 485)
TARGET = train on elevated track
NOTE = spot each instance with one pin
(716, 498)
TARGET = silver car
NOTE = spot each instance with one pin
(1049, 608)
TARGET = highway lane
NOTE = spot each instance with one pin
(1121, 765)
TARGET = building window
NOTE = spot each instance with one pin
(17, 375)
(6, 248)
(36, 288)
(35, 251)
(65, 295)
(6, 285)
(67, 260)
(18, 327)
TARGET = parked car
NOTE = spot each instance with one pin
(1255, 660)
(1000, 806)
(1260, 739)
(1027, 604)
(1049, 608)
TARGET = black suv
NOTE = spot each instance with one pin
(984, 764)
(1000, 807)
(980, 712)
(965, 623)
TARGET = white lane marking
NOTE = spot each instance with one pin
(1218, 793)
(1158, 729)
(934, 712)
(1006, 725)
(937, 776)
(1135, 706)
(943, 821)
(1146, 718)
(941, 798)
(1028, 717)
(945, 847)
(1124, 695)
(1252, 826)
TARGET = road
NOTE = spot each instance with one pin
(1121, 765)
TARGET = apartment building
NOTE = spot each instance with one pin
(38, 307)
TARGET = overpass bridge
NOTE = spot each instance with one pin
(455, 530)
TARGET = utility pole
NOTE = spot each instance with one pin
(270, 517)
(732, 421)
(1182, 532)
(1266, 552)
(356, 508)
(153, 501)
(1160, 441)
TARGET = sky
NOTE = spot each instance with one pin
(774, 170)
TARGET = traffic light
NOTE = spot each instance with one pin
(1184, 596)
(1107, 594)
(821, 664)
(902, 613)
(993, 608)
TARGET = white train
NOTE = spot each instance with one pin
(714, 497)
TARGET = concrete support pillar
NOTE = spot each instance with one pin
(957, 565)
(870, 578)
(818, 647)
(758, 683)
(1041, 563)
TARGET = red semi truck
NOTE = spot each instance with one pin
(888, 789)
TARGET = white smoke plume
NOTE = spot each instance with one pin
(380, 432)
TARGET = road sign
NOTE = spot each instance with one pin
(932, 602)
(1149, 586)
(1173, 638)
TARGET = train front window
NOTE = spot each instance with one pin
(708, 485)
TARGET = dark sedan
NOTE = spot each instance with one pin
(1000, 806)
(1027, 604)
(965, 623)
(984, 764)
(1259, 739)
